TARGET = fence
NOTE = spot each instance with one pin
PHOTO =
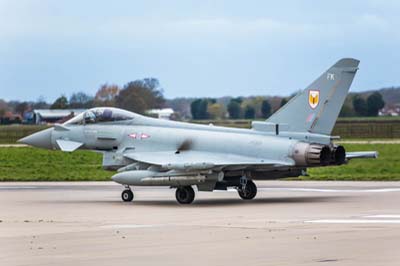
(10, 134)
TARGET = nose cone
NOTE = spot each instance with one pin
(119, 178)
(41, 139)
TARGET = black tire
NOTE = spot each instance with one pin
(249, 192)
(184, 195)
(127, 195)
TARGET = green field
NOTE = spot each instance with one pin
(30, 164)
(386, 167)
(10, 134)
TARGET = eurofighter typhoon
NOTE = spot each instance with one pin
(152, 152)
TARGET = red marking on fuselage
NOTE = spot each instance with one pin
(144, 136)
(133, 135)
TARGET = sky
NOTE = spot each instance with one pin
(195, 48)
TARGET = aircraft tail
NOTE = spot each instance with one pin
(316, 108)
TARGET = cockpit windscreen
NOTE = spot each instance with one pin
(100, 115)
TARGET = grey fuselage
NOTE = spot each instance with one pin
(145, 134)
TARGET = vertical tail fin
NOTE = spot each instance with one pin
(316, 108)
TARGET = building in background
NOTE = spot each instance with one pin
(51, 116)
(392, 110)
(10, 118)
(165, 113)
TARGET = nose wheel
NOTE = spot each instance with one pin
(127, 195)
(248, 191)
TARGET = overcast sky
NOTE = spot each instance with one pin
(195, 48)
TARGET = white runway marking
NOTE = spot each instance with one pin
(325, 190)
(129, 226)
(379, 190)
(353, 221)
(390, 216)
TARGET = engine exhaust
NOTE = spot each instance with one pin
(306, 154)
(338, 155)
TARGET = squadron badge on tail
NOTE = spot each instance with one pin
(313, 98)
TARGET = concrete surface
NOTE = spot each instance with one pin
(289, 223)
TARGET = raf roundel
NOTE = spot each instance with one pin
(313, 98)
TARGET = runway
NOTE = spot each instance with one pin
(289, 223)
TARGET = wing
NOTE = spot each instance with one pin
(361, 154)
(199, 160)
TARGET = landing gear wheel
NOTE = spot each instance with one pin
(127, 195)
(249, 191)
(184, 195)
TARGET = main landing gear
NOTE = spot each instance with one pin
(127, 194)
(184, 195)
(247, 189)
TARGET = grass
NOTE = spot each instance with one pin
(30, 164)
(367, 139)
(12, 133)
(386, 167)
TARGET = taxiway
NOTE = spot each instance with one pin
(289, 223)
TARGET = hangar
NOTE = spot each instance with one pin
(51, 116)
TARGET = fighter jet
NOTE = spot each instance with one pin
(152, 152)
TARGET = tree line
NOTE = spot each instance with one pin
(236, 108)
(262, 107)
(137, 96)
(144, 94)
(362, 105)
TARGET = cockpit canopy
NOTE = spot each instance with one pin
(100, 115)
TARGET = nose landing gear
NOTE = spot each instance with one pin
(127, 194)
(247, 189)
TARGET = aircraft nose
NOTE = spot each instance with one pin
(41, 139)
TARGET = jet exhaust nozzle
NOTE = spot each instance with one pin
(306, 154)
(339, 155)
